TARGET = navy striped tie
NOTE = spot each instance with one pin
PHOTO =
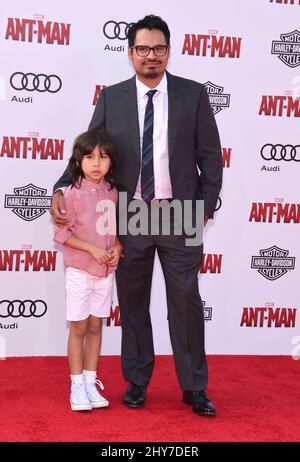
(147, 172)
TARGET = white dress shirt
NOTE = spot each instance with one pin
(162, 181)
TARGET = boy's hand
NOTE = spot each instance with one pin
(115, 253)
(101, 255)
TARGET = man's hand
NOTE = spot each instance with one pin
(115, 253)
(58, 208)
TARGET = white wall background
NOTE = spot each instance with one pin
(85, 63)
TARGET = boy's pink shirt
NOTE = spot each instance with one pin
(81, 208)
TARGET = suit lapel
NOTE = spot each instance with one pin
(132, 117)
(174, 111)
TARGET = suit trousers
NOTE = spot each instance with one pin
(180, 265)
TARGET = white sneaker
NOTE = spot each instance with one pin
(79, 399)
(93, 394)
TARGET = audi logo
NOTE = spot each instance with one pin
(25, 308)
(113, 30)
(219, 204)
(39, 82)
(281, 152)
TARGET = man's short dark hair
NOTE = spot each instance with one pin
(148, 22)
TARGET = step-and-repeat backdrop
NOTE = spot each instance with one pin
(56, 57)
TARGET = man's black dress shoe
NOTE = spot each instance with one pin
(135, 396)
(201, 404)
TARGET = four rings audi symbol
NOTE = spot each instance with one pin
(113, 30)
(219, 204)
(39, 82)
(278, 152)
(25, 308)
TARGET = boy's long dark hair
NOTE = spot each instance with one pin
(85, 144)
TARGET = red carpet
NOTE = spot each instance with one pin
(257, 398)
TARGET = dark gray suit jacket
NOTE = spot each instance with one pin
(192, 134)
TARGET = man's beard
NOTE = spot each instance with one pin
(150, 74)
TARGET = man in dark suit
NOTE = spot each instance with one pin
(164, 130)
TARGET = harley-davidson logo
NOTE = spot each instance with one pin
(288, 49)
(273, 262)
(207, 311)
(218, 100)
(29, 202)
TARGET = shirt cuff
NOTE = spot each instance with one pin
(61, 235)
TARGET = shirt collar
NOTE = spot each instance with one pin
(142, 89)
(86, 184)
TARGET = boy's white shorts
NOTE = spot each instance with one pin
(87, 294)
